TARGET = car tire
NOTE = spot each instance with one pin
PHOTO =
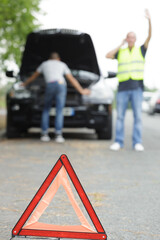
(11, 131)
(151, 112)
(14, 132)
(106, 133)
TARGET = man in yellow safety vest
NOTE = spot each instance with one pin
(130, 89)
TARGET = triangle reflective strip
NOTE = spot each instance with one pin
(61, 179)
(28, 224)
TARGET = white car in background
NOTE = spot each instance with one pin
(146, 101)
(154, 103)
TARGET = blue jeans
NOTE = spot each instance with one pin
(135, 97)
(57, 91)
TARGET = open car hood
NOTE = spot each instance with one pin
(75, 48)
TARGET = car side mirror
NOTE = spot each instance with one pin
(10, 74)
(111, 75)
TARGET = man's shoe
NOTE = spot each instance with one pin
(59, 139)
(138, 147)
(45, 138)
(115, 146)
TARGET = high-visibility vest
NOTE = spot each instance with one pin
(130, 64)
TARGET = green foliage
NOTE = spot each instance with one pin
(3, 91)
(2, 102)
(16, 21)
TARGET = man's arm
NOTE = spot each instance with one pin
(147, 15)
(31, 78)
(75, 83)
(113, 52)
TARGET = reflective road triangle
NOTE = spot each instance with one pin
(28, 224)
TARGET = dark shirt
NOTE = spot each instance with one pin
(132, 84)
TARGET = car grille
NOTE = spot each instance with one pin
(73, 99)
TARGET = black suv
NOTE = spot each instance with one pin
(24, 105)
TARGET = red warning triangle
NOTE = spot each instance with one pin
(28, 224)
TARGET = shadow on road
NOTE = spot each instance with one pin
(83, 134)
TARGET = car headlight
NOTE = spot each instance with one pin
(100, 93)
(19, 92)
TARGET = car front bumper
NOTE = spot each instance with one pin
(25, 113)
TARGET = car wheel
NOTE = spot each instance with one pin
(12, 132)
(106, 133)
(152, 112)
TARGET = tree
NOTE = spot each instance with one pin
(17, 19)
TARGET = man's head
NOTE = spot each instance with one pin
(55, 56)
(131, 39)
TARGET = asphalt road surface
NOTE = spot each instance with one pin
(124, 186)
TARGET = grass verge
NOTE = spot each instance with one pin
(2, 122)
